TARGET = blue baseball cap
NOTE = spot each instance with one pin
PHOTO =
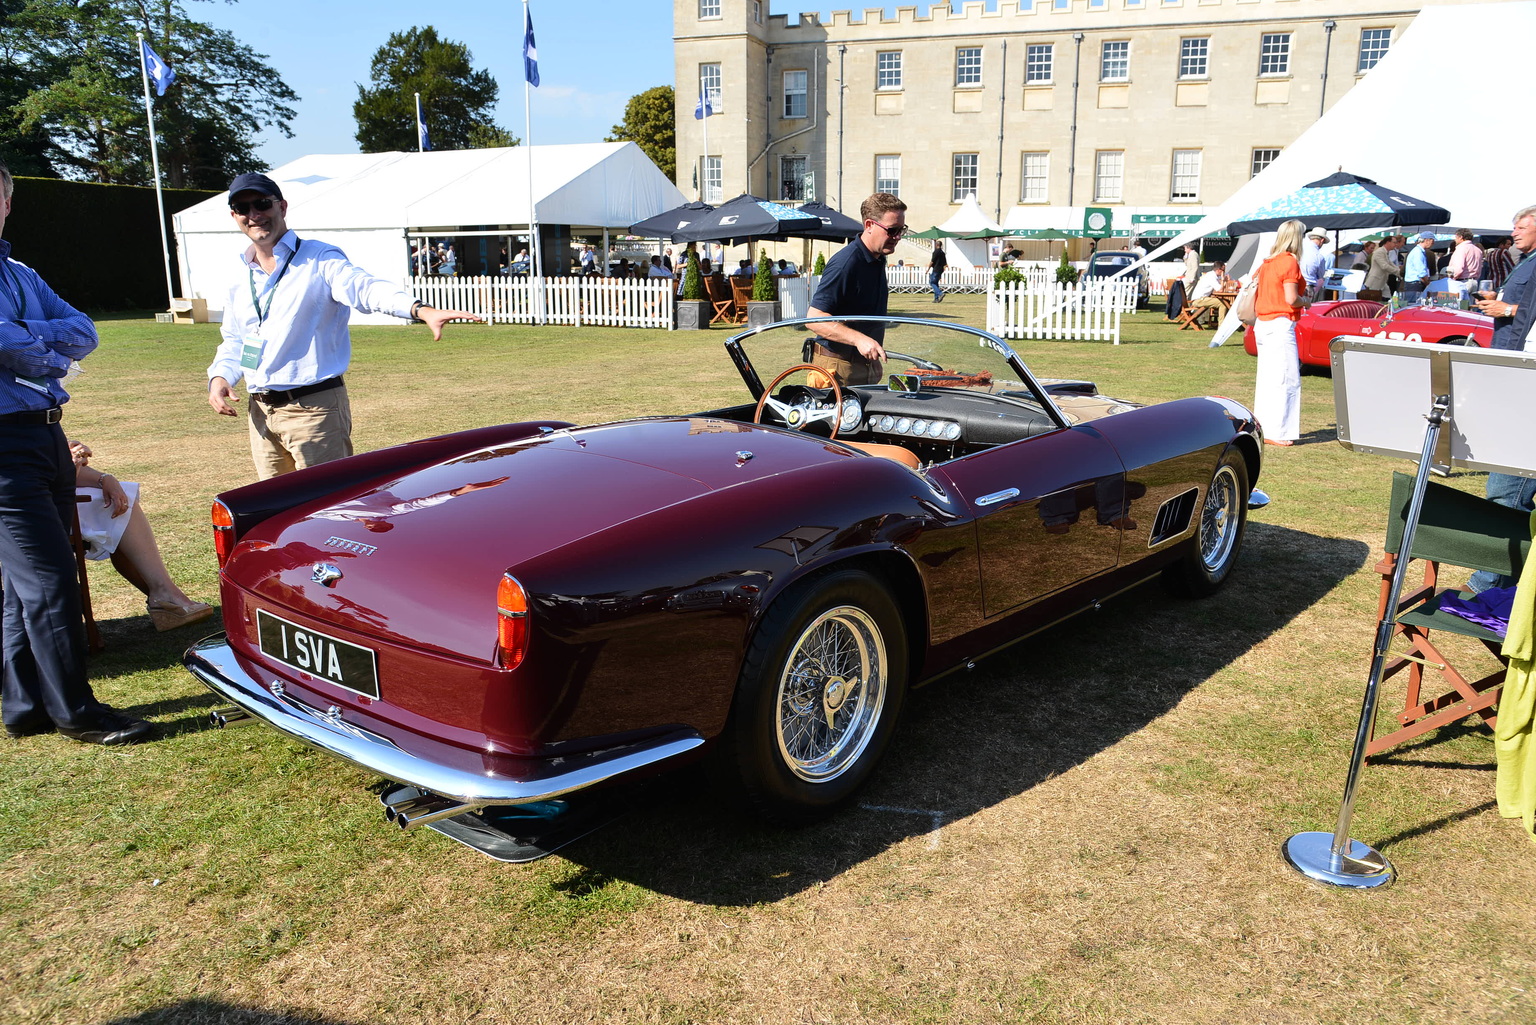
(1426, 235)
(254, 181)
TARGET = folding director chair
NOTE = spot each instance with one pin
(1455, 529)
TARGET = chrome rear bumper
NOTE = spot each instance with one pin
(213, 662)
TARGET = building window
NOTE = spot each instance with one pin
(1275, 53)
(1115, 61)
(709, 84)
(968, 65)
(1109, 176)
(794, 94)
(1037, 63)
(965, 177)
(1262, 158)
(709, 8)
(714, 181)
(757, 11)
(793, 176)
(1374, 44)
(1036, 178)
(888, 173)
(1194, 57)
(1186, 177)
(888, 69)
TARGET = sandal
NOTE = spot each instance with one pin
(168, 615)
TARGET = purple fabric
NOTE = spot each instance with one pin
(1489, 609)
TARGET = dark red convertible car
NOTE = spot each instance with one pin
(506, 617)
(1322, 322)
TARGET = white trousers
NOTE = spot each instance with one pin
(1277, 388)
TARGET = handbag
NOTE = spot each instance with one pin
(1245, 304)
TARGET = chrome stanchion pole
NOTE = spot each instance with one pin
(1334, 858)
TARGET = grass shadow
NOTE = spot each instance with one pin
(970, 741)
(216, 1012)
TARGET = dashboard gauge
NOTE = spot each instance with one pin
(886, 423)
(952, 432)
(903, 425)
(853, 414)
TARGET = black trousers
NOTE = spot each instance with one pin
(42, 639)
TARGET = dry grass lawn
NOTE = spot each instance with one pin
(1085, 829)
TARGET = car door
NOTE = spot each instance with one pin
(1049, 512)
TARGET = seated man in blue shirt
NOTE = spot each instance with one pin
(854, 283)
(45, 685)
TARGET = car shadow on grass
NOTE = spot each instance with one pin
(209, 1012)
(974, 739)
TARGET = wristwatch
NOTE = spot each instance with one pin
(416, 308)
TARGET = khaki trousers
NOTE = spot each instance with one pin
(847, 372)
(308, 431)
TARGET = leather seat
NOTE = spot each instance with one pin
(896, 452)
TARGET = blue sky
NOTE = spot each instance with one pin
(593, 56)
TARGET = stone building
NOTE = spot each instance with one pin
(1041, 108)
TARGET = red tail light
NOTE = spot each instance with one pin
(511, 622)
(223, 532)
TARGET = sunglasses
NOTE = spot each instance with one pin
(243, 207)
(896, 232)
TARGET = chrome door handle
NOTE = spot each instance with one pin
(998, 496)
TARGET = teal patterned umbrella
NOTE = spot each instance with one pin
(1341, 200)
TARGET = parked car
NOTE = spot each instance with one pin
(1109, 262)
(512, 614)
(1322, 322)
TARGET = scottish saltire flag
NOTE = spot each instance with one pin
(160, 72)
(423, 143)
(530, 51)
(703, 109)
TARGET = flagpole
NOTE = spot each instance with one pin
(419, 124)
(533, 210)
(704, 108)
(154, 158)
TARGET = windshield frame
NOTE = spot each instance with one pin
(734, 345)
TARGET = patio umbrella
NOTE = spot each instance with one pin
(663, 225)
(746, 218)
(835, 226)
(1341, 200)
(987, 233)
(932, 233)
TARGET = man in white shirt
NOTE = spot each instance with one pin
(1315, 260)
(657, 269)
(1202, 298)
(285, 332)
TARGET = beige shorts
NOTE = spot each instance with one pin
(848, 372)
(308, 431)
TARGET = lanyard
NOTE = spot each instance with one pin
(271, 289)
(14, 289)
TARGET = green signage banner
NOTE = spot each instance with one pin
(1097, 221)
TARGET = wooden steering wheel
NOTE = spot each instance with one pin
(800, 415)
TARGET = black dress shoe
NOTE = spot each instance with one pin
(110, 728)
(28, 728)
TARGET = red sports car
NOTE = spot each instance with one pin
(1322, 322)
(502, 618)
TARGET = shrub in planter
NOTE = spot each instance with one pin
(692, 309)
(764, 305)
(821, 264)
(1066, 274)
(1006, 276)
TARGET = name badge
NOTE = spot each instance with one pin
(250, 355)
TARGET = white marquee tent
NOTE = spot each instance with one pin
(968, 220)
(370, 203)
(1458, 147)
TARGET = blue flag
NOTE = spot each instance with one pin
(703, 109)
(159, 71)
(530, 51)
(422, 142)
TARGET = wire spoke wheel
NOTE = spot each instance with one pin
(831, 693)
(1220, 519)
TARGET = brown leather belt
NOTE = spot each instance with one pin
(282, 398)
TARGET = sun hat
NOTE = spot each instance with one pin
(1317, 233)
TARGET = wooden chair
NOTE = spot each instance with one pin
(741, 288)
(92, 632)
(1458, 529)
(1191, 315)
(720, 298)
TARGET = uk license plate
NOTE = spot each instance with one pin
(320, 655)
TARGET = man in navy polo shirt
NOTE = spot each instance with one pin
(852, 284)
(44, 686)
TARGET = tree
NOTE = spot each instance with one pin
(82, 92)
(649, 123)
(764, 288)
(456, 100)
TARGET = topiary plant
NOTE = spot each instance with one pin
(1066, 274)
(693, 278)
(1006, 276)
(821, 264)
(764, 290)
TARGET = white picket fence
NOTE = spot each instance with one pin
(1088, 311)
(915, 279)
(603, 302)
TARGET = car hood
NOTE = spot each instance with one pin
(420, 555)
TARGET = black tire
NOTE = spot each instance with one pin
(1210, 555)
(802, 738)
(1454, 340)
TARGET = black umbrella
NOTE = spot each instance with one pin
(746, 218)
(835, 226)
(1341, 200)
(665, 225)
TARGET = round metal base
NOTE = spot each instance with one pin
(1362, 867)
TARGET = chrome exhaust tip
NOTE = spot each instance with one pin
(230, 715)
(424, 809)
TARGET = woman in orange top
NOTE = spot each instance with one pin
(1278, 300)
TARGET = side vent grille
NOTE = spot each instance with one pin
(1173, 517)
